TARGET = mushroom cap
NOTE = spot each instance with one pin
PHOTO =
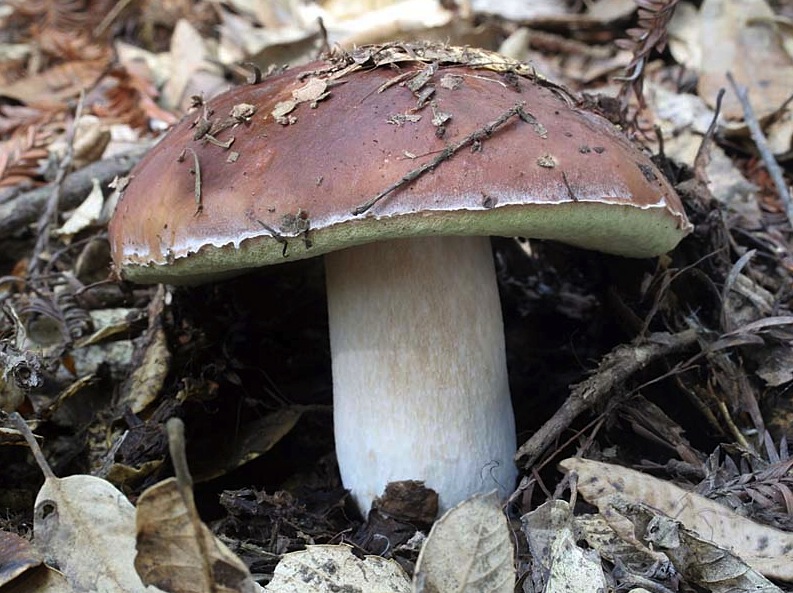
(389, 141)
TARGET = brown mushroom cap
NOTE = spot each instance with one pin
(314, 144)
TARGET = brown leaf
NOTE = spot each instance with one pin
(766, 549)
(16, 556)
(53, 86)
(736, 36)
(174, 557)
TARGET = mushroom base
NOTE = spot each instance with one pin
(419, 368)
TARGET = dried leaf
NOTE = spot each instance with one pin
(16, 556)
(354, 24)
(86, 527)
(251, 440)
(42, 579)
(86, 214)
(745, 33)
(767, 550)
(193, 71)
(698, 560)
(170, 552)
(91, 137)
(556, 559)
(327, 569)
(601, 537)
(469, 550)
(52, 87)
(152, 361)
(315, 89)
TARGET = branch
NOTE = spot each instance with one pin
(24, 209)
(762, 146)
(615, 369)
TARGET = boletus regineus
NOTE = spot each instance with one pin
(396, 163)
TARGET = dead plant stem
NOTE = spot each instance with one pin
(50, 212)
(774, 170)
(614, 370)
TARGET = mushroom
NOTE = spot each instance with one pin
(397, 163)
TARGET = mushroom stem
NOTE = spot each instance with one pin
(419, 368)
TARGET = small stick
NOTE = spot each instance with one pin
(38, 455)
(762, 146)
(215, 142)
(613, 371)
(50, 212)
(197, 188)
(570, 191)
(473, 138)
(702, 158)
(276, 235)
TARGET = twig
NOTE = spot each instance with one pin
(762, 146)
(25, 208)
(110, 17)
(477, 136)
(702, 158)
(276, 235)
(51, 211)
(197, 189)
(38, 455)
(615, 368)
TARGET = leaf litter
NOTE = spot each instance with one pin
(706, 325)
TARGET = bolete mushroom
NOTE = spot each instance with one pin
(396, 162)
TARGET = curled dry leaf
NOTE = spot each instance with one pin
(194, 71)
(326, 569)
(86, 214)
(469, 550)
(765, 549)
(173, 557)
(251, 440)
(556, 559)
(41, 579)
(152, 359)
(698, 560)
(16, 556)
(91, 137)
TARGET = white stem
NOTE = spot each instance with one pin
(419, 369)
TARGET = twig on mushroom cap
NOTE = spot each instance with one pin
(477, 136)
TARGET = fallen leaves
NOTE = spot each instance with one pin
(51, 88)
(84, 526)
(746, 34)
(558, 563)
(767, 550)
(52, 50)
(90, 531)
(325, 569)
(177, 552)
(468, 550)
